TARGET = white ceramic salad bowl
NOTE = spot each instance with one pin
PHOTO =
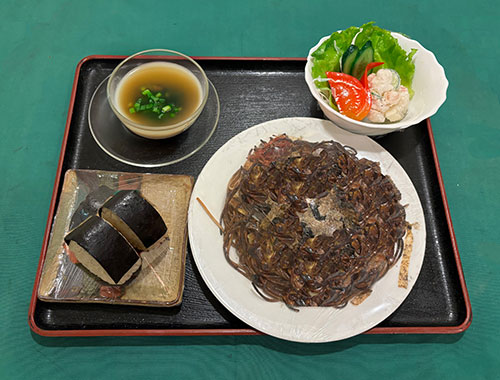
(429, 84)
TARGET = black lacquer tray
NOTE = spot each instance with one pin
(251, 91)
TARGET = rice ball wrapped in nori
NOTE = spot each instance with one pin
(90, 205)
(135, 218)
(101, 249)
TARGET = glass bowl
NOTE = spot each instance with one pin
(129, 67)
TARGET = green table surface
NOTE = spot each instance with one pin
(41, 44)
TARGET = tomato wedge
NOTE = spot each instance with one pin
(352, 99)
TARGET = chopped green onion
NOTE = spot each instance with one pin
(155, 103)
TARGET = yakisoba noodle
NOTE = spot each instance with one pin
(311, 224)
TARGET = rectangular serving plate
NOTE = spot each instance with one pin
(251, 91)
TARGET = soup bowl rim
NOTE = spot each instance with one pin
(187, 121)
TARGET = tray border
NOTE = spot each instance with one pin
(211, 332)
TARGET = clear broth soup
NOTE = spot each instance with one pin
(176, 84)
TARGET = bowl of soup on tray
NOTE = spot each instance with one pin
(157, 93)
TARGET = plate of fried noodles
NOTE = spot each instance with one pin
(305, 231)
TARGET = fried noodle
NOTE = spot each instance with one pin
(311, 224)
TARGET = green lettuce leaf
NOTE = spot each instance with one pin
(386, 49)
(327, 56)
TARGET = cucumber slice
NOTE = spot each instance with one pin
(348, 59)
(364, 57)
(396, 79)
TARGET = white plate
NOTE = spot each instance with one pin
(235, 292)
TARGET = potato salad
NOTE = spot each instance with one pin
(390, 99)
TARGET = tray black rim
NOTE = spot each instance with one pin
(453, 329)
